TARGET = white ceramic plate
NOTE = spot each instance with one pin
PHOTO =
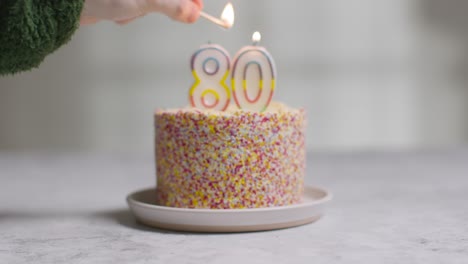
(142, 204)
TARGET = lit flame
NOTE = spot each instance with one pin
(228, 15)
(256, 37)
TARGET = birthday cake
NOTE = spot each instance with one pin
(230, 159)
(218, 155)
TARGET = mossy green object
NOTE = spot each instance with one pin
(32, 29)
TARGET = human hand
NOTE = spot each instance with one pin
(125, 11)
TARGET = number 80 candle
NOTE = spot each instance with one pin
(210, 67)
(253, 77)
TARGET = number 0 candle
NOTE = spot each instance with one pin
(210, 67)
(253, 77)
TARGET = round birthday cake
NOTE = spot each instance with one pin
(230, 159)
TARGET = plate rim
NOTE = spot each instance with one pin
(326, 198)
(230, 228)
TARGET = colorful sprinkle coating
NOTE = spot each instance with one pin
(230, 159)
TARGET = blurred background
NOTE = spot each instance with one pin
(372, 74)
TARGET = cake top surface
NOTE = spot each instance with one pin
(273, 108)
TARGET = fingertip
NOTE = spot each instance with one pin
(185, 11)
(188, 13)
(194, 14)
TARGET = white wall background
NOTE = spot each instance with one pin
(372, 74)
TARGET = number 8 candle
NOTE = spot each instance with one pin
(210, 67)
(253, 77)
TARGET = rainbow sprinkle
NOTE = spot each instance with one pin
(230, 159)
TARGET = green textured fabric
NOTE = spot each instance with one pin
(32, 29)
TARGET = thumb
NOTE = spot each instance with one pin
(181, 10)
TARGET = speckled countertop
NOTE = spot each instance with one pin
(406, 207)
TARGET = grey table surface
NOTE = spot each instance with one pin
(399, 207)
